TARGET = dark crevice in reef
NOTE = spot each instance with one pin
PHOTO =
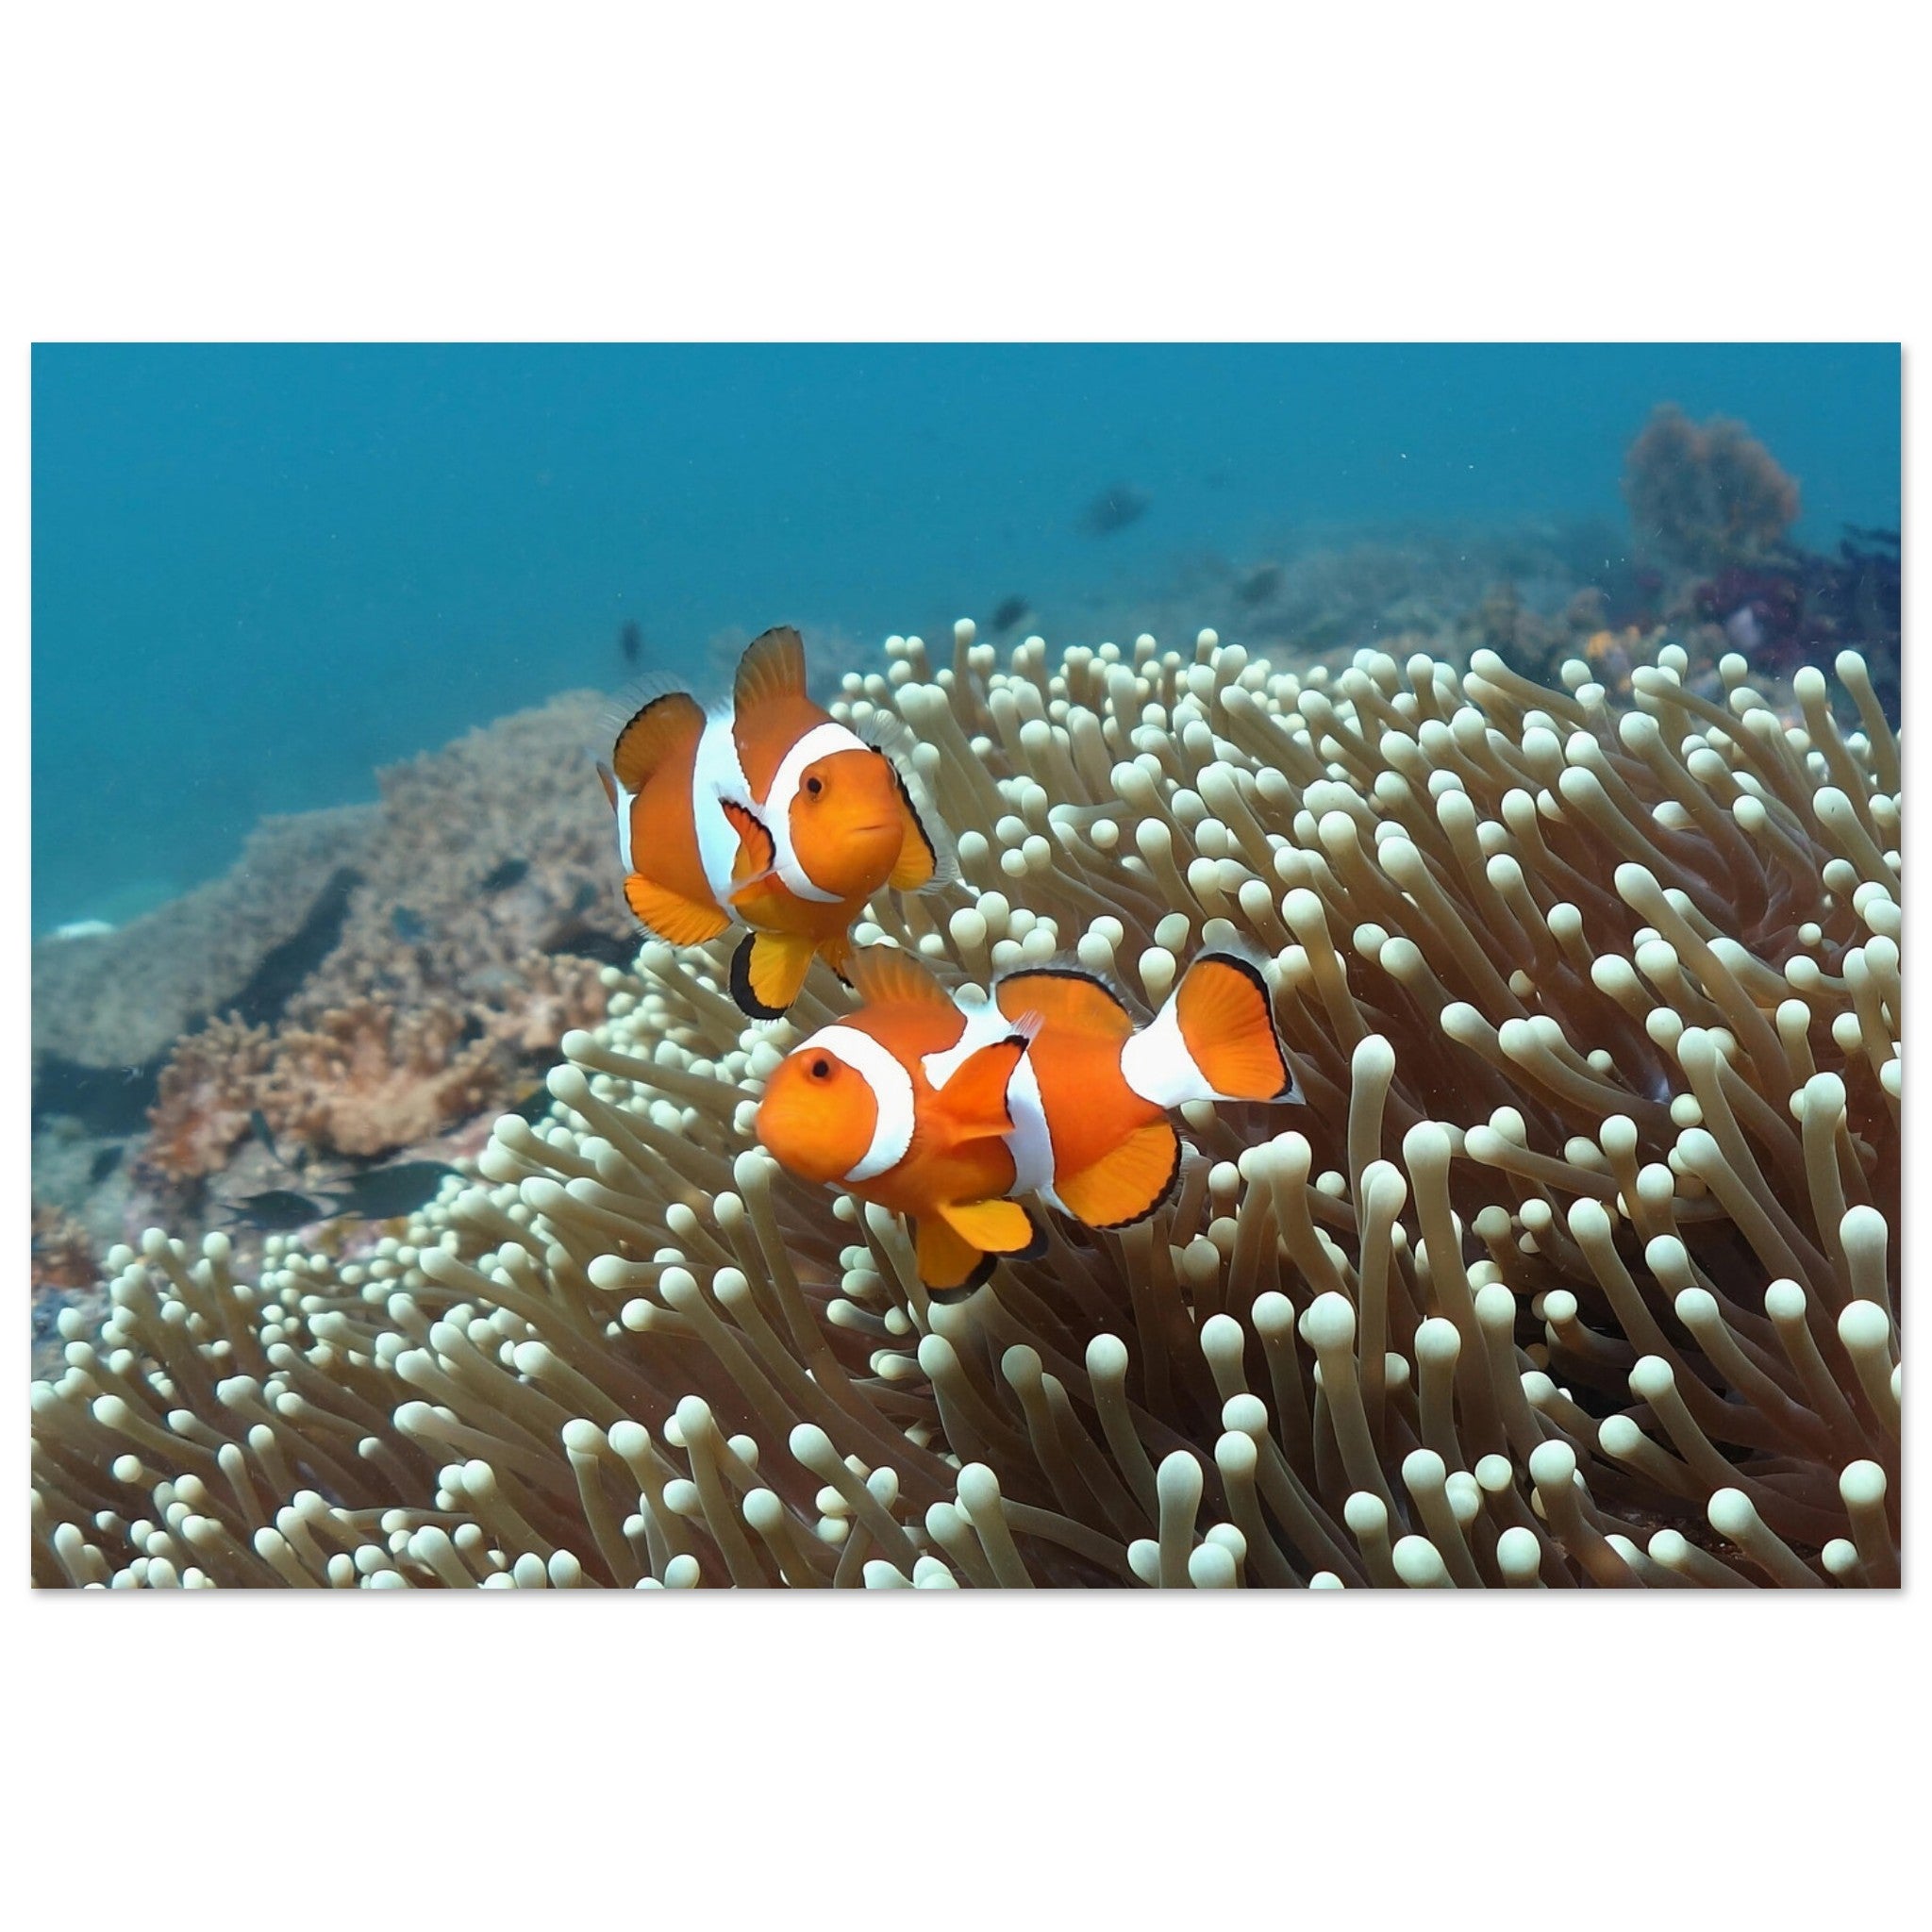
(276, 981)
(104, 1100)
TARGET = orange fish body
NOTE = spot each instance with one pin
(771, 814)
(946, 1111)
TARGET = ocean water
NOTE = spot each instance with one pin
(259, 573)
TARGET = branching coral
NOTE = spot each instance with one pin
(368, 1080)
(1580, 1269)
(206, 1090)
(1708, 494)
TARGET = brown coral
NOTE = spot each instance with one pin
(369, 1080)
(207, 1091)
(1705, 494)
(63, 1252)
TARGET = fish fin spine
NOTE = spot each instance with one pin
(670, 915)
(664, 728)
(886, 975)
(772, 668)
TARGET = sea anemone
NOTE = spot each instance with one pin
(1578, 1269)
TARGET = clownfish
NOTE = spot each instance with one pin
(766, 811)
(945, 1111)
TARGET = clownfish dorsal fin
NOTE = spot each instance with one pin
(994, 1226)
(1067, 998)
(772, 669)
(755, 851)
(891, 976)
(1127, 1185)
(661, 729)
(972, 1104)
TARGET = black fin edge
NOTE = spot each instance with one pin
(748, 1001)
(1066, 967)
(1253, 973)
(1159, 1201)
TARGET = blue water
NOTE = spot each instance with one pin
(260, 572)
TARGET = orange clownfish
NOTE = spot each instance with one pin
(769, 813)
(945, 1111)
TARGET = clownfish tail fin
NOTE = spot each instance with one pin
(1213, 1039)
(1225, 1018)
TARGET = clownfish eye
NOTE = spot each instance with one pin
(814, 784)
(821, 1068)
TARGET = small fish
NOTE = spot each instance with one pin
(1114, 509)
(258, 1123)
(947, 1111)
(381, 1194)
(278, 1210)
(104, 1163)
(408, 925)
(502, 876)
(767, 813)
(630, 641)
(1010, 611)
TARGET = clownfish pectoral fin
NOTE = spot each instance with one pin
(772, 668)
(1127, 1185)
(757, 854)
(672, 917)
(972, 1104)
(657, 731)
(768, 969)
(948, 1263)
(891, 976)
(996, 1227)
(1227, 1019)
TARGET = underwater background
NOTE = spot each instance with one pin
(324, 637)
(261, 572)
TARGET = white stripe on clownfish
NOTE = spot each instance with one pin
(822, 741)
(1029, 1141)
(623, 801)
(716, 774)
(1156, 1062)
(892, 1092)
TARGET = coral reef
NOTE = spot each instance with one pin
(370, 978)
(1579, 1270)
(122, 997)
(368, 1080)
(208, 1089)
(1705, 496)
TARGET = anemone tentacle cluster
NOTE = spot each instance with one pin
(1580, 1267)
